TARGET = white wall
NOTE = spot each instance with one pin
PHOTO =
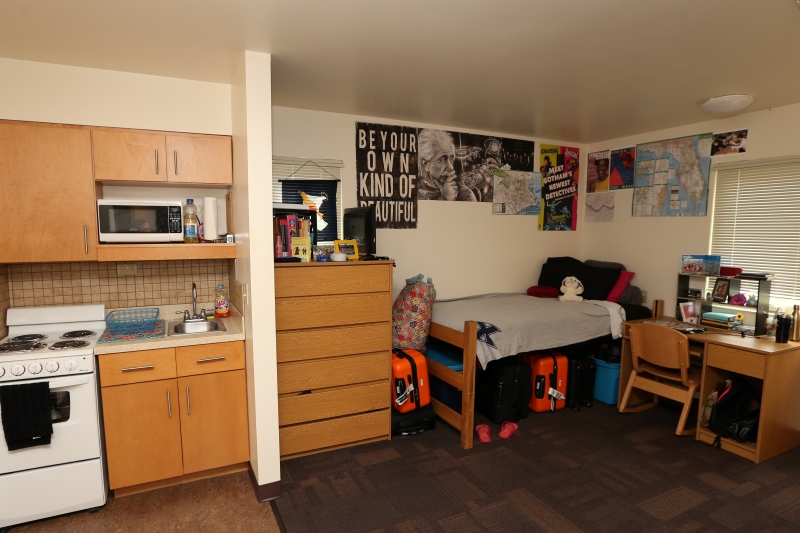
(44, 92)
(652, 247)
(252, 209)
(461, 245)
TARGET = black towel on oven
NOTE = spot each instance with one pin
(26, 415)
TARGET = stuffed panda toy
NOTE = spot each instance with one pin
(572, 288)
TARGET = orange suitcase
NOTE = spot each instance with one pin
(410, 389)
(549, 379)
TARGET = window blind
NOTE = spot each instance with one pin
(756, 224)
(299, 169)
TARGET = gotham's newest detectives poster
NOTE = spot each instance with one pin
(559, 167)
(396, 165)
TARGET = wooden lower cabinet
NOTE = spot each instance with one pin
(143, 432)
(213, 420)
(163, 429)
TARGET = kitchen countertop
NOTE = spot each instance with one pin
(233, 324)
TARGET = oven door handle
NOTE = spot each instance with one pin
(68, 382)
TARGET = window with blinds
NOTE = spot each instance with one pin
(756, 224)
(313, 182)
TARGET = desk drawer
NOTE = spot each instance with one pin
(330, 342)
(315, 435)
(336, 279)
(739, 361)
(208, 358)
(333, 402)
(136, 367)
(334, 372)
(326, 311)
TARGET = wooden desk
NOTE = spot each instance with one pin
(772, 368)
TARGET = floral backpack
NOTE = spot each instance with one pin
(411, 314)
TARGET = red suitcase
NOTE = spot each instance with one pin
(549, 379)
(410, 387)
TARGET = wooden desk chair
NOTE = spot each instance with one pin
(660, 357)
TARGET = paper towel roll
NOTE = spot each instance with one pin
(210, 230)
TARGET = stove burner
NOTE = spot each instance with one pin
(69, 345)
(21, 346)
(79, 334)
(30, 337)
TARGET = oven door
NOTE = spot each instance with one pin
(76, 426)
(139, 221)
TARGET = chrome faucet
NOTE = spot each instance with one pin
(194, 317)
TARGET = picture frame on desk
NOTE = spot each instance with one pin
(348, 248)
(688, 312)
(721, 289)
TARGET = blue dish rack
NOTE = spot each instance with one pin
(132, 321)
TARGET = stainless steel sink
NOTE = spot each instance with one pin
(193, 328)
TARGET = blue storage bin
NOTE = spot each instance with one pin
(606, 382)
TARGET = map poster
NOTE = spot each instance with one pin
(386, 171)
(560, 177)
(730, 142)
(622, 168)
(600, 207)
(671, 177)
(597, 172)
(517, 193)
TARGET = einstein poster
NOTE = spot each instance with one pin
(397, 165)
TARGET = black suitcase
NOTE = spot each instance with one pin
(580, 382)
(413, 422)
(503, 390)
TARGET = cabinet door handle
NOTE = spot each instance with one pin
(175, 158)
(132, 368)
(188, 401)
(156, 160)
(85, 240)
(169, 404)
(220, 358)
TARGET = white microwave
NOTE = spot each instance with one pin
(139, 221)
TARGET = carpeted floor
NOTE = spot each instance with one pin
(221, 504)
(595, 470)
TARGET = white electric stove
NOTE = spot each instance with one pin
(54, 345)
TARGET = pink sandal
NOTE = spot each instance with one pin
(507, 429)
(483, 432)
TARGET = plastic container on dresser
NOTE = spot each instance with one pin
(761, 307)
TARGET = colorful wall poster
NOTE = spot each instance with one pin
(600, 206)
(730, 142)
(621, 168)
(517, 193)
(386, 172)
(398, 165)
(597, 172)
(560, 177)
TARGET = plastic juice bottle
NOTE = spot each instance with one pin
(222, 306)
(191, 226)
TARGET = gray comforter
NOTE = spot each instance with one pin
(509, 324)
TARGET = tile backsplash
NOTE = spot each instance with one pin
(155, 283)
(5, 299)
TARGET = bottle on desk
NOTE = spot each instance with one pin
(784, 328)
(795, 336)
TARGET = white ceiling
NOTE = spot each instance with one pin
(575, 70)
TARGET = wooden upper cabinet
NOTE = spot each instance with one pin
(48, 201)
(199, 159)
(129, 155)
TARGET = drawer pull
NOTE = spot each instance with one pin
(169, 404)
(132, 368)
(208, 360)
(188, 401)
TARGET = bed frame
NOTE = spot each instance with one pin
(464, 381)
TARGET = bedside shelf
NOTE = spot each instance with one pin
(165, 252)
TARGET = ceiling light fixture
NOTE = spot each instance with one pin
(721, 105)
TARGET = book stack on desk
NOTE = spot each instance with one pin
(720, 320)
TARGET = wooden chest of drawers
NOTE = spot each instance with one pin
(334, 343)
